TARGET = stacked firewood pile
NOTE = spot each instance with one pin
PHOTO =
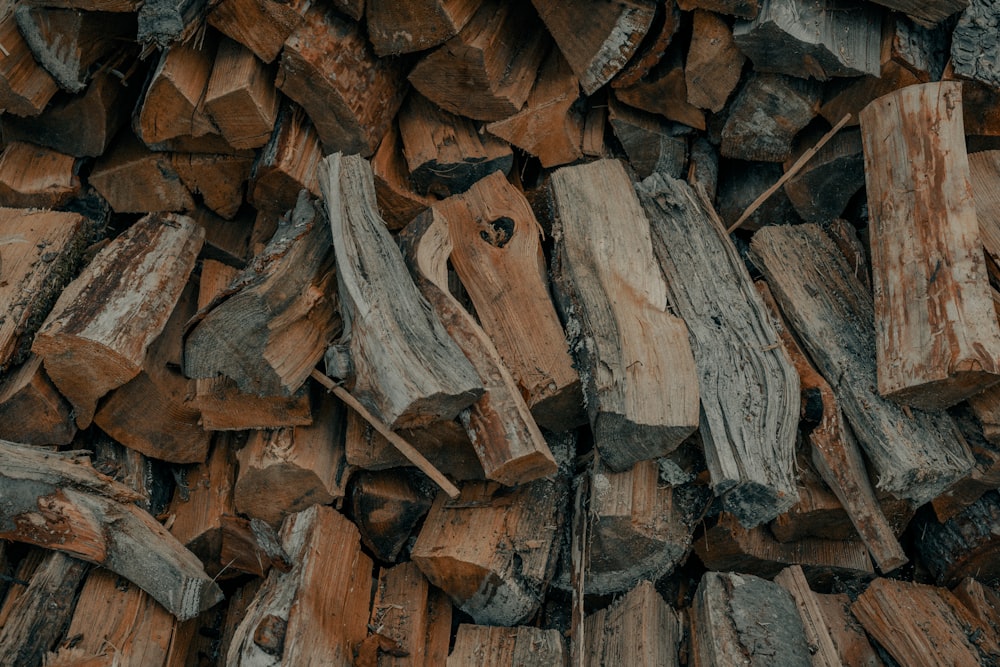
(604, 332)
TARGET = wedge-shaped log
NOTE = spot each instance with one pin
(286, 164)
(398, 202)
(648, 140)
(317, 612)
(815, 39)
(639, 628)
(637, 368)
(58, 501)
(599, 47)
(134, 179)
(396, 28)
(218, 179)
(497, 254)
(408, 371)
(32, 411)
(822, 189)
(522, 646)
(663, 91)
(914, 454)
(749, 415)
(503, 432)
(328, 67)
(25, 86)
(260, 25)
(36, 177)
(714, 62)
(280, 309)
(493, 551)
(938, 339)
(487, 70)
(386, 507)
(766, 114)
(241, 97)
(92, 341)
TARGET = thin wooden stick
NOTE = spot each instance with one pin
(405, 448)
(794, 169)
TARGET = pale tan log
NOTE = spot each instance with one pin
(133, 179)
(498, 256)
(386, 506)
(549, 126)
(521, 646)
(714, 62)
(241, 97)
(922, 625)
(398, 202)
(32, 411)
(25, 86)
(39, 254)
(406, 367)
(814, 623)
(316, 613)
(76, 510)
(486, 71)
(395, 28)
(90, 342)
(260, 25)
(938, 339)
(982, 601)
(638, 629)
(636, 363)
(599, 47)
(36, 177)
(913, 454)
(286, 471)
(492, 550)
(748, 419)
(286, 164)
(507, 441)
(745, 619)
(328, 67)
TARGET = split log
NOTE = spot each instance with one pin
(521, 646)
(821, 40)
(260, 25)
(637, 368)
(498, 257)
(766, 114)
(821, 647)
(487, 70)
(818, 513)
(281, 626)
(598, 48)
(32, 411)
(279, 309)
(922, 625)
(507, 441)
(663, 91)
(975, 49)
(395, 28)
(985, 476)
(750, 458)
(983, 602)
(69, 43)
(386, 506)
(90, 342)
(407, 370)
(398, 202)
(134, 179)
(550, 127)
(25, 86)
(447, 154)
(35, 619)
(36, 177)
(665, 25)
(714, 62)
(741, 183)
(241, 97)
(848, 636)
(966, 545)
(149, 479)
(914, 454)
(252, 547)
(926, 13)
(822, 189)
(406, 621)
(938, 339)
(286, 471)
(40, 252)
(219, 179)
(648, 141)
(637, 629)
(741, 619)
(328, 67)
(287, 164)
(744, 9)
(59, 502)
(493, 550)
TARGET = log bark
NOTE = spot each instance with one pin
(386, 507)
(260, 25)
(498, 257)
(926, 358)
(914, 454)
(241, 97)
(507, 647)
(966, 545)
(637, 368)
(507, 441)
(975, 49)
(166, 22)
(639, 628)
(750, 458)
(89, 342)
(407, 370)
(395, 28)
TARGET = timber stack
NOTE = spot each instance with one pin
(631, 332)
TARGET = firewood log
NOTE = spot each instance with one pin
(914, 454)
(926, 13)
(638, 371)
(985, 476)
(25, 86)
(766, 114)
(36, 177)
(396, 28)
(600, 47)
(663, 91)
(938, 339)
(750, 458)
(219, 179)
(652, 48)
(487, 70)
(741, 183)
(241, 97)
(975, 50)
(648, 140)
(966, 545)
(90, 342)
(714, 62)
(287, 164)
(982, 601)
(822, 189)
(398, 202)
(407, 369)
(984, 170)
(80, 512)
(622, 633)
(260, 25)
(251, 546)
(134, 179)
(507, 647)
(744, 9)
(821, 646)
(853, 645)
(163, 23)
(32, 411)
(386, 506)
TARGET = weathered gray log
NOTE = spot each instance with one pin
(409, 372)
(975, 43)
(748, 385)
(766, 114)
(914, 454)
(634, 356)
